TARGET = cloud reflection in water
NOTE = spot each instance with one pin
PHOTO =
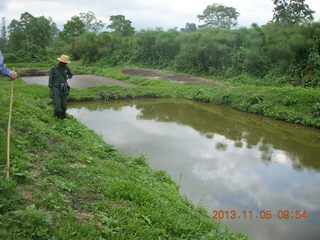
(222, 158)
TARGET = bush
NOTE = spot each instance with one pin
(316, 110)
(9, 198)
(10, 57)
(26, 224)
(255, 99)
(288, 101)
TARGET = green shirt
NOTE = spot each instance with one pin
(59, 75)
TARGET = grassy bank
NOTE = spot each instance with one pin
(282, 102)
(292, 104)
(67, 183)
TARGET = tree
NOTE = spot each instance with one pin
(219, 16)
(87, 47)
(121, 25)
(3, 37)
(91, 24)
(291, 11)
(28, 31)
(73, 28)
(54, 29)
(3, 28)
(190, 27)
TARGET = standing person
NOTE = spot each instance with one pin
(5, 71)
(59, 88)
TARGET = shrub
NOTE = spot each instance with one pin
(9, 198)
(316, 110)
(27, 224)
(288, 101)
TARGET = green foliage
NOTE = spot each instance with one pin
(3, 44)
(29, 31)
(9, 198)
(56, 48)
(316, 110)
(219, 16)
(27, 224)
(141, 160)
(29, 37)
(288, 101)
(275, 53)
(222, 234)
(54, 31)
(190, 27)
(80, 34)
(121, 25)
(291, 11)
(3, 36)
(3, 28)
(156, 48)
(311, 74)
(270, 55)
(87, 47)
(255, 99)
(206, 51)
(73, 28)
(91, 24)
(115, 49)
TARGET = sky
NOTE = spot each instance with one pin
(144, 14)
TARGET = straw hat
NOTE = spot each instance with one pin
(64, 58)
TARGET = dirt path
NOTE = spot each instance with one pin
(158, 74)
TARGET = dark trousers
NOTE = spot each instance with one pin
(60, 103)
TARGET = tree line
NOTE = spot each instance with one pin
(286, 48)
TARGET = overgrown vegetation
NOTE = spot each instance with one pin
(285, 50)
(67, 183)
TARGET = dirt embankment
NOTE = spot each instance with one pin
(158, 74)
(26, 72)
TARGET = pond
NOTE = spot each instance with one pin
(222, 159)
(79, 81)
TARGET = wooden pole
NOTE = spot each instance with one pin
(9, 131)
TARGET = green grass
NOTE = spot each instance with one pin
(67, 183)
(292, 104)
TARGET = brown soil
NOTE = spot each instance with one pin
(25, 193)
(25, 72)
(158, 74)
(143, 72)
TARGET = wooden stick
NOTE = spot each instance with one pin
(9, 131)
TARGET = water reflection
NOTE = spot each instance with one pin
(223, 159)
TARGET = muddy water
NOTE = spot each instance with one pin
(222, 159)
(79, 81)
